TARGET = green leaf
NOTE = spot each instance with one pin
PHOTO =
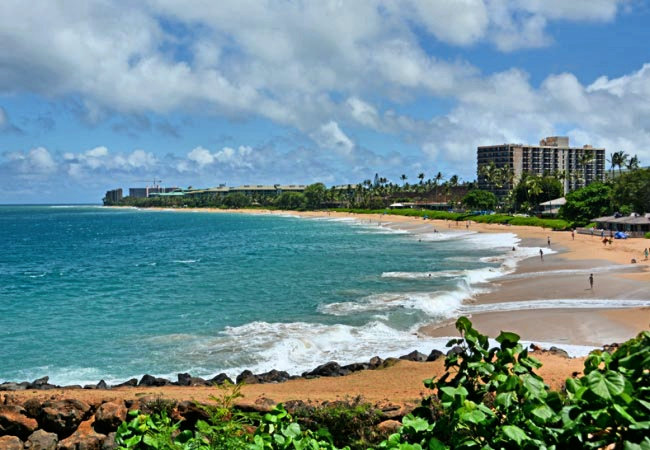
(607, 385)
(507, 339)
(292, 431)
(435, 444)
(463, 324)
(474, 416)
(514, 433)
(624, 414)
(535, 387)
(417, 423)
(543, 412)
(506, 399)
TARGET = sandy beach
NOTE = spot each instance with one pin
(563, 275)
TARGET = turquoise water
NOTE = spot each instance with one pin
(88, 293)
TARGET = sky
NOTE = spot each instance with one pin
(100, 94)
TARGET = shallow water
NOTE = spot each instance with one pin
(89, 293)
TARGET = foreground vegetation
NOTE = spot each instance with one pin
(489, 397)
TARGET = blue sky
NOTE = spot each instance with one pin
(102, 94)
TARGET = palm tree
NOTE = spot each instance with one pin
(421, 177)
(622, 161)
(403, 178)
(584, 160)
(633, 163)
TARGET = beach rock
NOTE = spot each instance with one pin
(558, 352)
(414, 356)
(33, 408)
(391, 410)
(84, 438)
(133, 382)
(356, 367)
(247, 377)
(148, 380)
(90, 386)
(14, 421)
(72, 386)
(185, 379)
(389, 426)
(191, 413)
(39, 382)
(102, 385)
(273, 376)
(41, 440)
(221, 379)
(375, 362)
(434, 355)
(330, 369)
(14, 386)
(109, 416)
(388, 362)
(455, 350)
(63, 416)
(265, 404)
(10, 443)
(109, 442)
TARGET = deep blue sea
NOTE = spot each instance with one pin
(90, 293)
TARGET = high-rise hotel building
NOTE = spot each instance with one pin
(553, 155)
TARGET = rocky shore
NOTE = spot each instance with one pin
(64, 422)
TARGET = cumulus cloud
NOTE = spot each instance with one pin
(330, 136)
(245, 58)
(241, 157)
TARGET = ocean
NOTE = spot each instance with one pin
(90, 293)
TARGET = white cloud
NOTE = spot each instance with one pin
(331, 137)
(279, 60)
(242, 157)
(363, 112)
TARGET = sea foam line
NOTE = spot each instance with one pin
(563, 303)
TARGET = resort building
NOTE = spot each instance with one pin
(577, 166)
(146, 192)
(635, 225)
(113, 196)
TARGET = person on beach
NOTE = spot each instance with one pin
(541, 254)
(591, 281)
(548, 241)
(573, 235)
(645, 252)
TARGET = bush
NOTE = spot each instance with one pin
(291, 201)
(348, 422)
(647, 235)
(480, 200)
(492, 398)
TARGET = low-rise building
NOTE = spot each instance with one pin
(635, 225)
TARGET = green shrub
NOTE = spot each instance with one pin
(492, 398)
(647, 235)
(350, 422)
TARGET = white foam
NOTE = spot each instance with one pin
(471, 276)
(186, 261)
(561, 303)
(438, 305)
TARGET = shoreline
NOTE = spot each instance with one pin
(402, 382)
(567, 270)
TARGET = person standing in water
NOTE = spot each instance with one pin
(591, 281)
(541, 254)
